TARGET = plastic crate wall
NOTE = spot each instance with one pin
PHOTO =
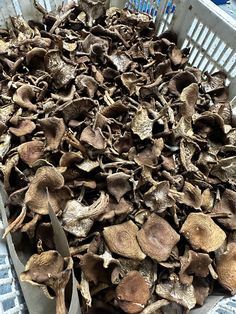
(201, 25)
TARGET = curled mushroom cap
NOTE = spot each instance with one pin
(202, 232)
(133, 292)
(35, 53)
(94, 138)
(118, 185)
(23, 97)
(31, 151)
(54, 129)
(226, 268)
(49, 269)
(121, 239)
(193, 263)
(36, 196)
(25, 127)
(157, 238)
(227, 205)
(180, 81)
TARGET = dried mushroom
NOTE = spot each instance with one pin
(202, 232)
(133, 292)
(157, 238)
(136, 149)
(49, 270)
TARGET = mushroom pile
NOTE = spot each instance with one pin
(137, 152)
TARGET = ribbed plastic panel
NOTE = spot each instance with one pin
(11, 300)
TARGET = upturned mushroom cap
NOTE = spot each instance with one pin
(157, 238)
(25, 127)
(54, 129)
(226, 268)
(133, 292)
(49, 269)
(23, 97)
(180, 81)
(193, 263)
(36, 196)
(202, 232)
(31, 151)
(227, 205)
(121, 239)
(118, 185)
(94, 138)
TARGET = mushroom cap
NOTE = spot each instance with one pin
(25, 127)
(202, 232)
(121, 239)
(193, 263)
(227, 204)
(133, 292)
(23, 96)
(180, 81)
(118, 185)
(226, 268)
(36, 197)
(54, 129)
(31, 151)
(157, 238)
(94, 138)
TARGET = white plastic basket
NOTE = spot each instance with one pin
(201, 25)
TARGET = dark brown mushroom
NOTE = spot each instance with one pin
(25, 127)
(54, 129)
(23, 97)
(49, 269)
(157, 238)
(31, 151)
(36, 196)
(121, 239)
(133, 293)
(118, 185)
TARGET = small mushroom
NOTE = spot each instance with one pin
(202, 233)
(86, 83)
(159, 197)
(121, 239)
(226, 268)
(23, 97)
(157, 238)
(54, 129)
(180, 81)
(49, 269)
(133, 293)
(193, 263)
(36, 196)
(118, 185)
(141, 124)
(31, 151)
(94, 138)
(24, 127)
(227, 205)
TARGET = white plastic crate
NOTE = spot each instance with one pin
(201, 25)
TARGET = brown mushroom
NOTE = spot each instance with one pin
(54, 129)
(94, 138)
(157, 238)
(202, 233)
(133, 293)
(227, 205)
(31, 151)
(193, 263)
(25, 127)
(36, 196)
(226, 268)
(118, 185)
(121, 239)
(180, 81)
(141, 124)
(49, 269)
(24, 96)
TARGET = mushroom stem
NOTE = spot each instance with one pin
(60, 301)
